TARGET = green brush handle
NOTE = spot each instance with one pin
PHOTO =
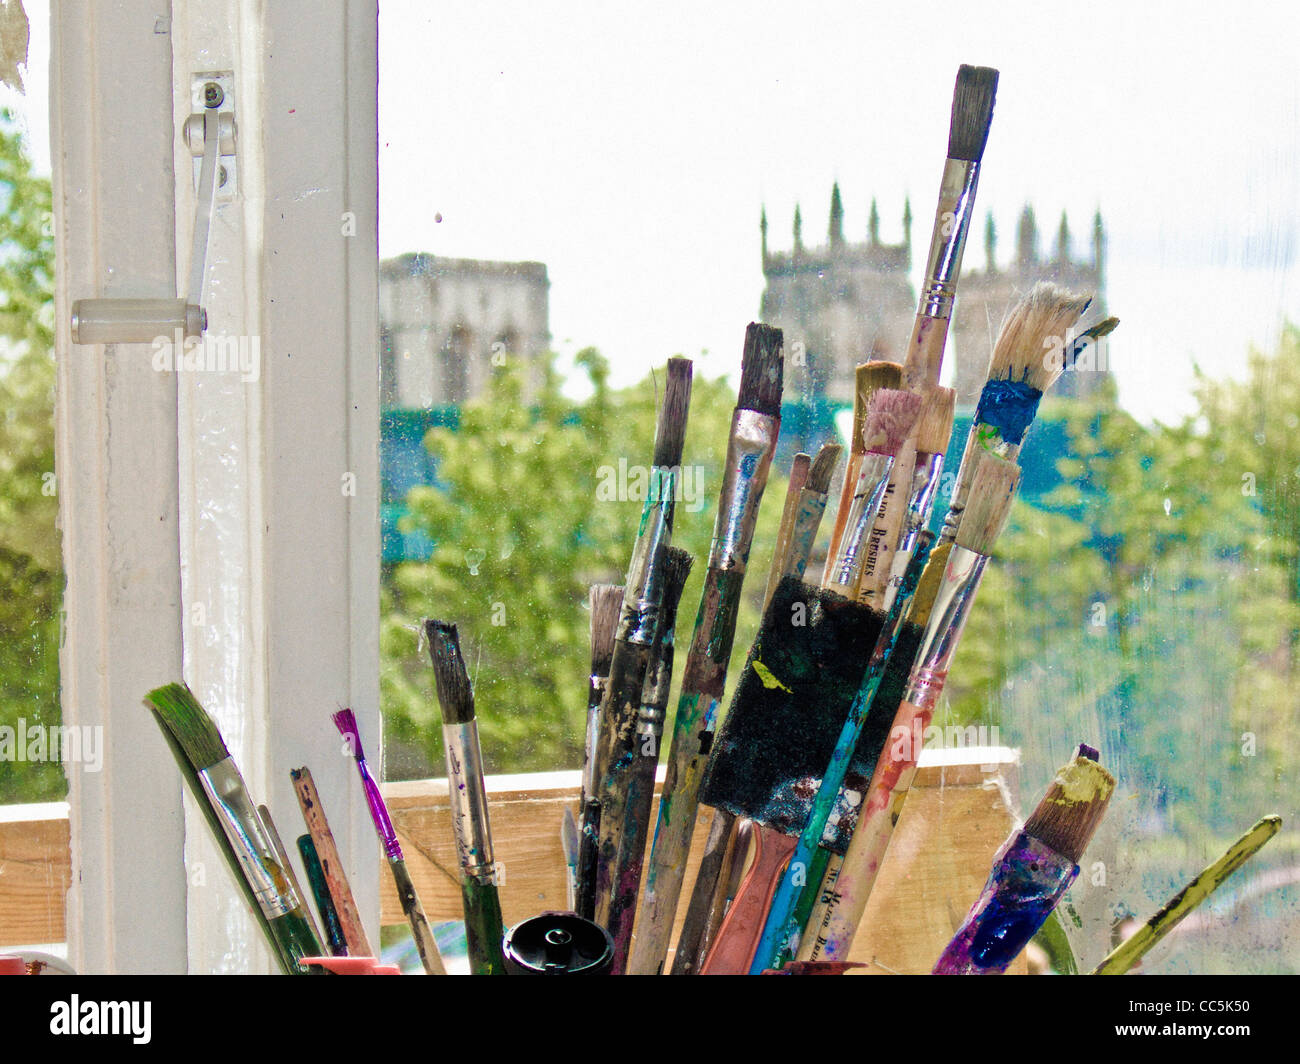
(484, 929)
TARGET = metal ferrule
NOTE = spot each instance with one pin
(749, 457)
(469, 808)
(925, 486)
(225, 789)
(644, 583)
(952, 603)
(807, 520)
(873, 480)
(951, 224)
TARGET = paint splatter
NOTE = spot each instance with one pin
(769, 681)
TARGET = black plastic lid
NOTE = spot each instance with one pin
(558, 943)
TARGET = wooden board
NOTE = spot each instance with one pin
(955, 818)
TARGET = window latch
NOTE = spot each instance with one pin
(210, 135)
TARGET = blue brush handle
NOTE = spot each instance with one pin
(781, 930)
(1027, 881)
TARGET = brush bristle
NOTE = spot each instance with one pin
(1025, 350)
(869, 379)
(677, 568)
(890, 419)
(823, 468)
(934, 428)
(189, 723)
(606, 602)
(1070, 812)
(762, 370)
(346, 722)
(972, 112)
(670, 434)
(988, 504)
(455, 694)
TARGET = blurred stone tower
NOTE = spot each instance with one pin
(843, 303)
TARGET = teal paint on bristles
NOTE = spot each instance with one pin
(220, 793)
(320, 891)
(468, 794)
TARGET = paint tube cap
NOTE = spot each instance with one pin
(558, 943)
(13, 966)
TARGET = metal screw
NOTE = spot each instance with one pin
(213, 95)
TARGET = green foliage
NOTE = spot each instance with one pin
(523, 524)
(31, 579)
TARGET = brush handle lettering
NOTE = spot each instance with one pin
(1028, 880)
(868, 498)
(888, 527)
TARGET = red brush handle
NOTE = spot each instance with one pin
(733, 950)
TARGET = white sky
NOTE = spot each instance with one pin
(631, 154)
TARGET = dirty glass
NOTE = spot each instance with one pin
(570, 197)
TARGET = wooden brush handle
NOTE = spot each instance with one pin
(421, 932)
(708, 880)
(887, 528)
(738, 937)
(313, 815)
(842, 513)
(925, 353)
(881, 809)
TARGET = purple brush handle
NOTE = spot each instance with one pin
(1027, 881)
(379, 811)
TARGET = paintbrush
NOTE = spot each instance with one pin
(942, 602)
(804, 669)
(283, 855)
(346, 722)
(1135, 947)
(570, 845)
(750, 447)
(606, 602)
(313, 815)
(782, 931)
(1027, 360)
(799, 469)
(641, 606)
(968, 132)
(805, 505)
(869, 378)
(1032, 871)
(320, 890)
(469, 808)
(219, 790)
(933, 432)
(623, 838)
(808, 515)
(890, 420)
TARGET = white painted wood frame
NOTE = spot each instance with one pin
(276, 531)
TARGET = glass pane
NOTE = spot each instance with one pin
(644, 185)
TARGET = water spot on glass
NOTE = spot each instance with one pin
(474, 558)
(1260, 438)
(1169, 507)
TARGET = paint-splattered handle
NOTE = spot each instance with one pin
(881, 809)
(1027, 881)
(420, 929)
(483, 927)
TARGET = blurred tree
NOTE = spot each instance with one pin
(30, 566)
(536, 501)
